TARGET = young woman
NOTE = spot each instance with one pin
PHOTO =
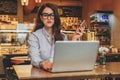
(47, 31)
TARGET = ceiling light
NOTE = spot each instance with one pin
(38, 1)
(24, 2)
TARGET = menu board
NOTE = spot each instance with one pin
(8, 7)
(70, 11)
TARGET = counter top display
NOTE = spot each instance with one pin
(14, 49)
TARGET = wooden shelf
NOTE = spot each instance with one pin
(15, 31)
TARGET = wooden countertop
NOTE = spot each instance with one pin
(28, 72)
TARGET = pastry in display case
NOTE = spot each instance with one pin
(14, 49)
(69, 25)
(70, 17)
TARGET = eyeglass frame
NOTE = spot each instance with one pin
(46, 15)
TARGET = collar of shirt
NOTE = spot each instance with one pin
(47, 35)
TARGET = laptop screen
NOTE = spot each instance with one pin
(74, 55)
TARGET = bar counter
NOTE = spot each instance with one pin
(28, 72)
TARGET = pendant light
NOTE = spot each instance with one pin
(24, 2)
(38, 1)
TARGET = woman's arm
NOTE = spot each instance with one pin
(79, 32)
(35, 55)
(33, 48)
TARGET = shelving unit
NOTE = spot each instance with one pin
(100, 24)
(103, 33)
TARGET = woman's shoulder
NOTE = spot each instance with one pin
(36, 33)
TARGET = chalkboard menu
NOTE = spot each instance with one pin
(8, 7)
(70, 11)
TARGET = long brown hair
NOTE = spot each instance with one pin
(56, 26)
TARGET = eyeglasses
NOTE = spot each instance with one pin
(46, 15)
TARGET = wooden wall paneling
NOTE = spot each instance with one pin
(116, 27)
(30, 7)
(28, 16)
(20, 12)
(106, 5)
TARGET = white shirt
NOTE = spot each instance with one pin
(40, 48)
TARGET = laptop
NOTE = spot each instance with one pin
(74, 56)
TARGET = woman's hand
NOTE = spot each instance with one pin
(46, 65)
(79, 32)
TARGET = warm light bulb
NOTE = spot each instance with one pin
(38, 1)
(24, 2)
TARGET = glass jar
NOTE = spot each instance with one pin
(102, 58)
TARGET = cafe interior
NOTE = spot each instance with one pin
(101, 20)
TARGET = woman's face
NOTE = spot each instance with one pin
(47, 17)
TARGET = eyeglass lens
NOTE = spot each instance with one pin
(46, 15)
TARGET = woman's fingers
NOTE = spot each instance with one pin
(81, 29)
(47, 65)
(79, 32)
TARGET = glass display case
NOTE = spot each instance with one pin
(13, 38)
